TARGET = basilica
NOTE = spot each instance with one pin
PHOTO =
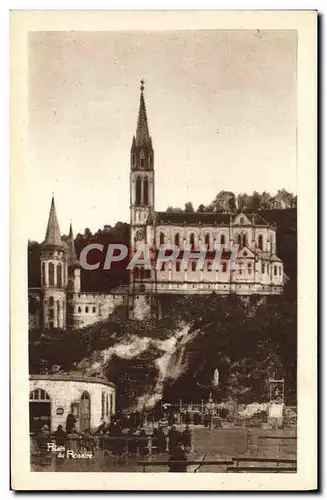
(257, 269)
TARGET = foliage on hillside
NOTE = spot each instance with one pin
(248, 342)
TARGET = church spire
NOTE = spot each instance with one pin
(71, 253)
(52, 236)
(142, 137)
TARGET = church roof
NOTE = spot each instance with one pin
(52, 235)
(195, 218)
(142, 137)
(72, 260)
(205, 218)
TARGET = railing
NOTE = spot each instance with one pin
(231, 465)
(96, 442)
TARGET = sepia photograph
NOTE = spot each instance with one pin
(161, 192)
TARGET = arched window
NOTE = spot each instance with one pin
(138, 191)
(39, 395)
(86, 309)
(249, 268)
(263, 268)
(136, 272)
(142, 273)
(193, 266)
(207, 239)
(111, 403)
(147, 273)
(59, 275)
(280, 270)
(93, 309)
(192, 239)
(161, 238)
(244, 241)
(224, 267)
(209, 266)
(150, 160)
(79, 309)
(51, 273)
(178, 266)
(222, 239)
(239, 240)
(146, 191)
(43, 274)
(133, 159)
(275, 270)
(177, 239)
(163, 266)
(260, 242)
(102, 404)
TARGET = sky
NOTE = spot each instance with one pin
(221, 109)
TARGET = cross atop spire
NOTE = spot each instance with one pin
(142, 137)
(52, 236)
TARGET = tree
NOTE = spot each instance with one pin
(266, 201)
(174, 209)
(225, 201)
(284, 200)
(254, 202)
(243, 202)
(189, 207)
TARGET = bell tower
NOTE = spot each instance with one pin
(53, 274)
(141, 177)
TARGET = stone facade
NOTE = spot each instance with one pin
(53, 397)
(257, 269)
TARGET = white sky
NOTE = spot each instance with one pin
(221, 109)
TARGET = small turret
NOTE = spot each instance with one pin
(53, 274)
(74, 268)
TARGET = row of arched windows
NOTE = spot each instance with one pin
(191, 239)
(241, 240)
(141, 198)
(54, 271)
(87, 309)
(141, 273)
(143, 160)
(192, 267)
(277, 270)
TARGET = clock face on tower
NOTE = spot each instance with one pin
(140, 235)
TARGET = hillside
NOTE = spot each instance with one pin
(174, 357)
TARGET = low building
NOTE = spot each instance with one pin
(53, 397)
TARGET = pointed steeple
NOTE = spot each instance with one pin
(142, 137)
(52, 236)
(72, 260)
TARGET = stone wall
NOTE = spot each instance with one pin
(67, 391)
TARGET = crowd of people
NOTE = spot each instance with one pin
(118, 439)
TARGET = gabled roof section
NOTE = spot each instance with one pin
(192, 218)
(242, 219)
(245, 253)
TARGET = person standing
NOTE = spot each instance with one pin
(70, 423)
(187, 438)
(177, 460)
(173, 437)
(60, 436)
